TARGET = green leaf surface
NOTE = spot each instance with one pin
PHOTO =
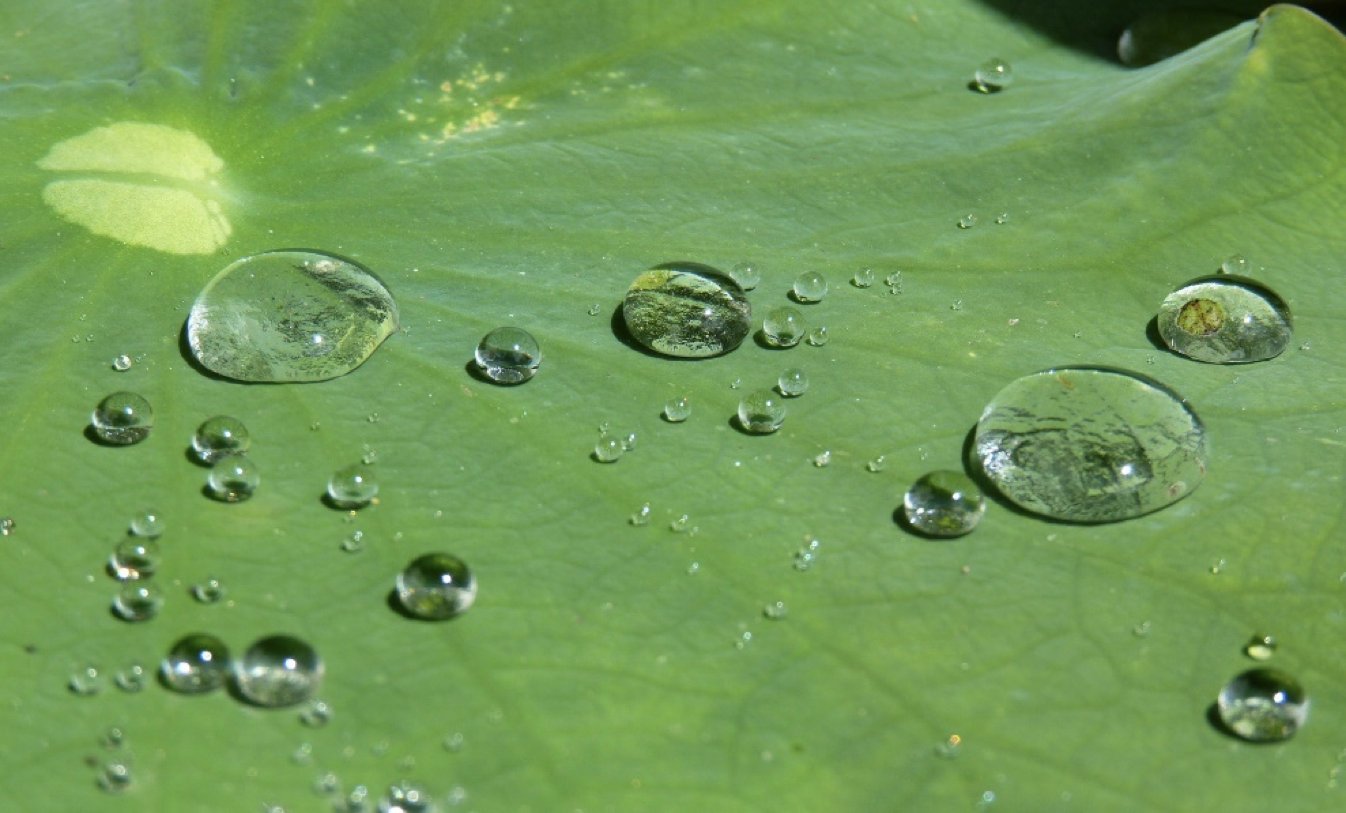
(520, 164)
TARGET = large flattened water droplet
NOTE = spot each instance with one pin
(290, 316)
(1225, 319)
(1091, 444)
(687, 310)
(1263, 705)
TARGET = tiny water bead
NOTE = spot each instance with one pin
(677, 410)
(823, 459)
(122, 363)
(209, 591)
(687, 310)
(316, 713)
(967, 221)
(195, 664)
(863, 278)
(817, 337)
(747, 275)
(233, 478)
(809, 286)
(122, 418)
(992, 76)
(775, 611)
(1263, 705)
(354, 543)
(783, 326)
(85, 681)
(508, 355)
(114, 776)
(6, 526)
(218, 437)
(277, 671)
(793, 382)
(1225, 319)
(1091, 444)
(436, 586)
(608, 449)
(641, 517)
(131, 679)
(761, 412)
(943, 504)
(148, 524)
(290, 316)
(134, 558)
(1260, 646)
(807, 555)
(138, 601)
(352, 487)
(1234, 264)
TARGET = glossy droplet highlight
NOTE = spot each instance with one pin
(290, 316)
(220, 436)
(677, 410)
(195, 664)
(122, 418)
(687, 310)
(1225, 319)
(992, 76)
(508, 355)
(809, 286)
(138, 601)
(134, 558)
(7, 526)
(783, 326)
(148, 524)
(943, 504)
(277, 671)
(1089, 444)
(353, 487)
(1263, 705)
(114, 776)
(1260, 646)
(233, 478)
(793, 383)
(436, 586)
(761, 412)
(747, 275)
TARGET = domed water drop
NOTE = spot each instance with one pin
(508, 355)
(967, 221)
(943, 504)
(608, 449)
(761, 412)
(992, 76)
(316, 713)
(220, 436)
(1091, 444)
(131, 679)
(85, 681)
(7, 525)
(1260, 646)
(809, 286)
(436, 586)
(134, 558)
(138, 601)
(677, 410)
(276, 671)
(783, 326)
(233, 478)
(209, 591)
(863, 278)
(195, 664)
(687, 310)
(1225, 319)
(290, 316)
(1263, 705)
(748, 275)
(114, 776)
(793, 383)
(817, 337)
(122, 418)
(122, 363)
(1235, 264)
(352, 487)
(148, 524)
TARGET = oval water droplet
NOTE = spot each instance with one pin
(122, 418)
(508, 355)
(863, 278)
(85, 681)
(195, 664)
(233, 478)
(290, 316)
(1225, 319)
(138, 601)
(608, 449)
(1260, 646)
(276, 671)
(748, 275)
(817, 337)
(1263, 705)
(209, 591)
(793, 382)
(122, 363)
(761, 412)
(783, 326)
(220, 436)
(678, 409)
(131, 678)
(992, 76)
(1091, 444)
(148, 523)
(943, 504)
(687, 310)
(316, 713)
(436, 586)
(134, 558)
(809, 286)
(352, 487)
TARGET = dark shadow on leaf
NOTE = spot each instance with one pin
(396, 606)
(1152, 333)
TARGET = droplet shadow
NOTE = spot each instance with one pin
(185, 350)
(396, 606)
(759, 337)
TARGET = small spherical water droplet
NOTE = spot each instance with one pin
(122, 418)
(823, 459)
(677, 410)
(195, 664)
(1235, 264)
(122, 363)
(817, 337)
(809, 286)
(114, 776)
(761, 412)
(628, 440)
(944, 504)
(1260, 647)
(877, 464)
(7, 526)
(950, 747)
(1263, 705)
(134, 558)
(641, 517)
(1225, 319)
(354, 543)
(148, 524)
(219, 436)
(1002, 218)
(113, 738)
(138, 601)
(277, 671)
(352, 487)
(783, 326)
(967, 221)
(508, 355)
(316, 713)
(747, 275)
(687, 310)
(608, 449)
(233, 478)
(894, 282)
(793, 382)
(436, 586)
(406, 797)
(744, 638)
(694, 568)
(131, 678)
(209, 591)
(85, 681)
(863, 278)
(1142, 629)
(681, 525)
(775, 610)
(992, 76)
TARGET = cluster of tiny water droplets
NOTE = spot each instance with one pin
(807, 555)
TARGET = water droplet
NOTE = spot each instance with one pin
(131, 678)
(233, 478)
(678, 410)
(628, 440)
(195, 664)
(967, 221)
(877, 464)
(454, 742)
(863, 278)
(1217, 568)
(687, 310)
(209, 591)
(327, 784)
(353, 487)
(7, 526)
(595, 309)
(1002, 218)
(775, 610)
(113, 738)
(761, 412)
(793, 382)
(290, 316)
(405, 797)
(148, 524)
(356, 800)
(122, 363)
(1235, 264)
(436, 586)
(957, 305)
(744, 638)
(122, 418)
(823, 459)
(950, 747)
(134, 558)
(354, 543)
(694, 568)
(1260, 647)
(316, 713)
(783, 326)
(809, 286)
(138, 601)
(641, 517)
(85, 681)
(943, 504)
(276, 671)
(1089, 444)
(817, 337)
(114, 776)
(508, 355)
(220, 436)
(894, 282)
(736, 383)
(608, 449)
(1142, 629)
(1225, 319)
(1263, 705)
(682, 524)
(807, 555)
(992, 76)
(747, 275)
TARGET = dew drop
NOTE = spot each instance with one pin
(1090, 444)
(783, 326)
(1235, 264)
(694, 568)
(209, 591)
(85, 681)
(682, 524)
(1142, 629)
(877, 464)
(641, 517)
(950, 747)
(138, 601)
(608, 449)
(354, 543)
(114, 776)
(233, 478)
(863, 278)
(595, 309)
(195, 664)
(943, 504)
(747, 275)
(6, 526)
(454, 742)
(220, 436)
(823, 459)
(628, 440)
(687, 310)
(967, 221)
(277, 671)
(1263, 705)
(113, 738)
(316, 713)
(508, 355)
(352, 487)
(793, 383)
(1225, 319)
(992, 76)
(1002, 218)
(290, 316)
(761, 412)
(122, 418)
(817, 337)
(677, 410)
(775, 611)
(894, 282)
(131, 679)
(809, 286)
(122, 363)
(1260, 646)
(807, 555)
(436, 586)
(148, 524)
(134, 558)
(405, 797)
